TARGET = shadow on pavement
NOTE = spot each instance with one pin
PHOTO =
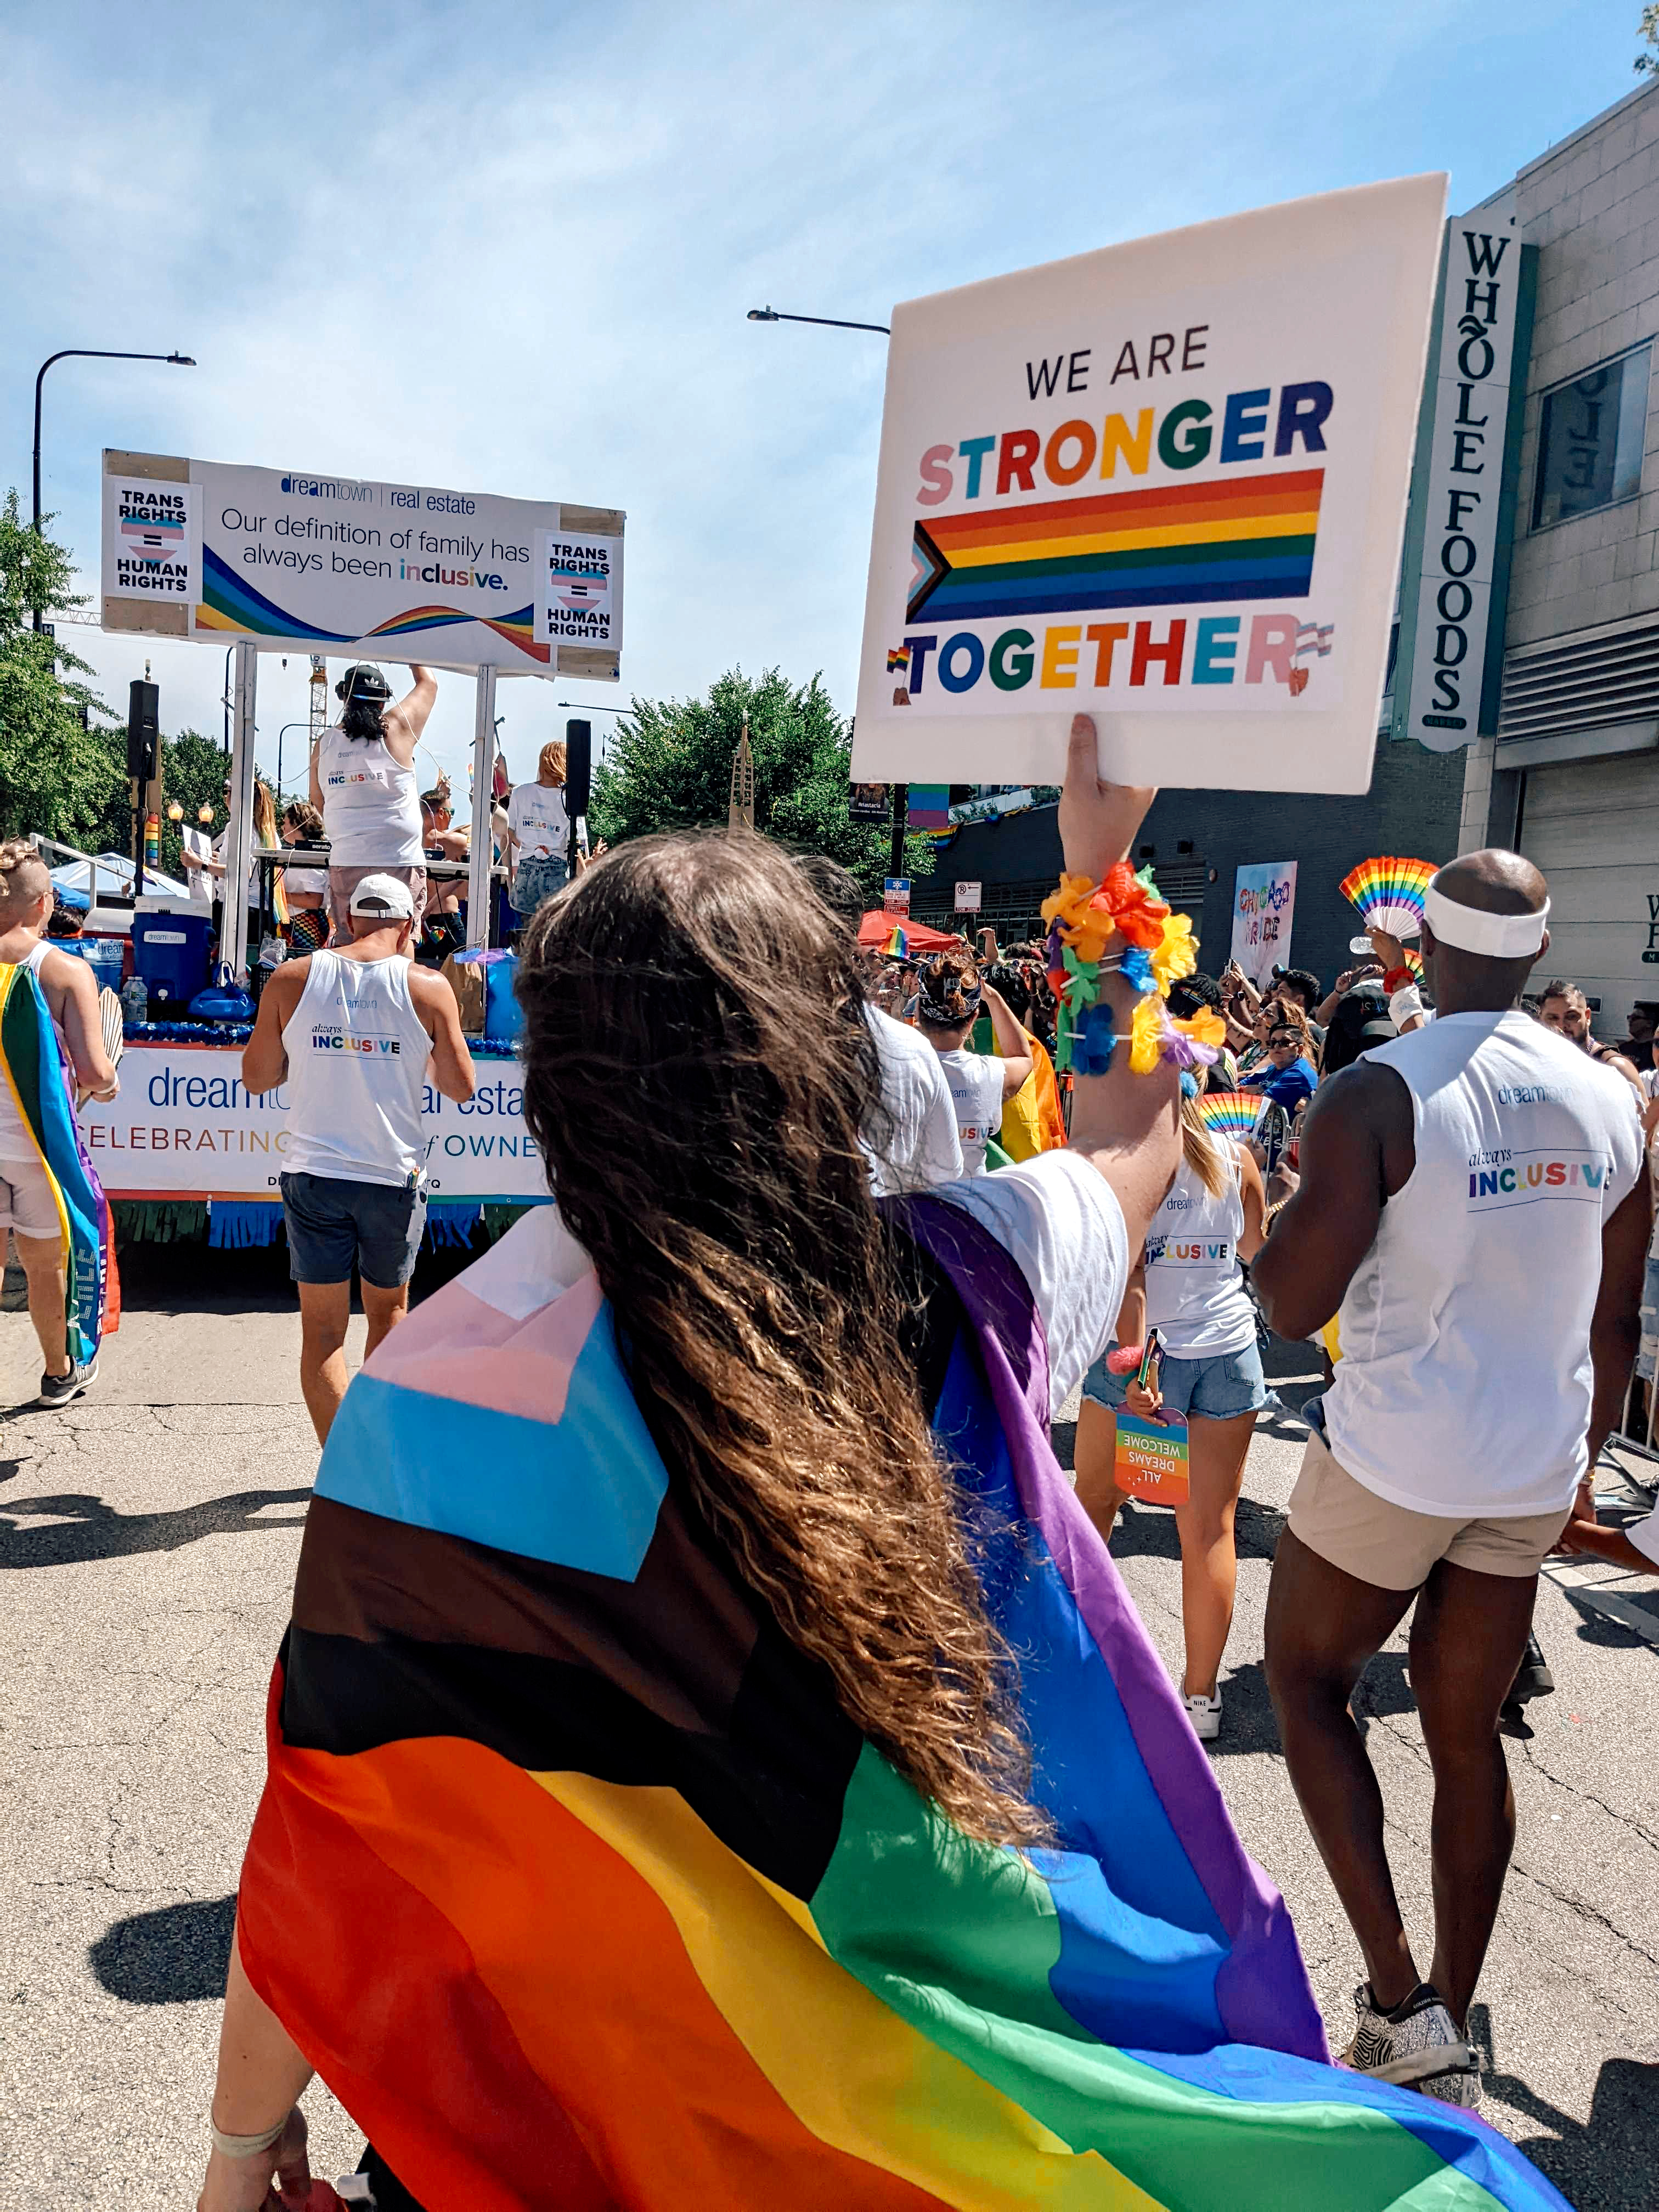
(1606, 2161)
(84, 1528)
(179, 1955)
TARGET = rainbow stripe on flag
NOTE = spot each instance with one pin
(35, 1069)
(230, 604)
(928, 806)
(578, 1888)
(1246, 538)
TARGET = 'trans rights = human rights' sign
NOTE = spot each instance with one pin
(1165, 482)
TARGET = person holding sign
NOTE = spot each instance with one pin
(1189, 1287)
(1472, 1201)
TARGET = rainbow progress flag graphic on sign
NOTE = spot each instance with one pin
(1172, 546)
(579, 1889)
(231, 604)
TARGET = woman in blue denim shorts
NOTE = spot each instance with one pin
(1190, 1289)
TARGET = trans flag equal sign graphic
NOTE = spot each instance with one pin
(1175, 545)
(153, 536)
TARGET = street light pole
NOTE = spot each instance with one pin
(83, 353)
(827, 322)
(281, 735)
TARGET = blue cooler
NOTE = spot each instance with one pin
(170, 952)
(103, 955)
(503, 1015)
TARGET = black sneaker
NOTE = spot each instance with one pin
(59, 1389)
(1533, 1678)
(1416, 2045)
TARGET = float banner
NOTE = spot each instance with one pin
(579, 593)
(1264, 902)
(152, 540)
(183, 1127)
(1164, 483)
(343, 566)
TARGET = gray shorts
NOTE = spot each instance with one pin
(332, 1224)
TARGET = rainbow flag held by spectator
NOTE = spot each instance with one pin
(929, 806)
(36, 1071)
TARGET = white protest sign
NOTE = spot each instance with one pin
(344, 566)
(579, 590)
(1264, 904)
(184, 1127)
(1165, 482)
(152, 540)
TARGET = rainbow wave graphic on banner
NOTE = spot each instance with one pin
(230, 603)
(1172, 546)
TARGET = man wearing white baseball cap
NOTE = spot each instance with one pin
(351, 1031)
(1471, 1200)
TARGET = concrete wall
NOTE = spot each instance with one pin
(1591, 205)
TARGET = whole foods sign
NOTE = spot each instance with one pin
(1455, 583)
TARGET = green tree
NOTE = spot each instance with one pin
(62, 759)
(670, 768)
(1647, 65)
(193, 773)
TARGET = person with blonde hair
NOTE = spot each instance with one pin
(538, 833)
(1188, 1286)
(50, 1197)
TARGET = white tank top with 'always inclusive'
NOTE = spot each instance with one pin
(1195, 1295)
(357, 1052)
(1464, 1385)
(371, 803)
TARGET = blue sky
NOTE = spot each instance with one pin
(510, 250)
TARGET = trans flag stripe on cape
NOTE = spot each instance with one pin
(33, 1067)
(579, 1890)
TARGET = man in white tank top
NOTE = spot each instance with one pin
(27, 1206)
(351, 1031)
(1471, 1201)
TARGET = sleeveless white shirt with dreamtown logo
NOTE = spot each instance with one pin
(1195, 1295)
(371, 804)
(1464, 1385)
(357, 1052)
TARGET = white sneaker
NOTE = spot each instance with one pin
(1416, 2045)
(1205, 1714)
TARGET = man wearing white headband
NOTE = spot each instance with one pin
(1471, 1200)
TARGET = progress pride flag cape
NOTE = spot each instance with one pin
(578, 1889)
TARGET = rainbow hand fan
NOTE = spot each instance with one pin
(1231, 1113)
(897, 946)
(1413, 961)
(1389, 893)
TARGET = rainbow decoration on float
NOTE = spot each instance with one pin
(1231, 1113)
(230, 604)
(1172, 546)
(1387, 893)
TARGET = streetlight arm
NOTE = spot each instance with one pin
(827, 322)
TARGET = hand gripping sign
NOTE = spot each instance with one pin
(1164, 484)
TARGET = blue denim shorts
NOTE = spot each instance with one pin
(331, 1224)
(1217, 1388)
(535, 880)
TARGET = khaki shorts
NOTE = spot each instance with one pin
(27, 1204)
(1392, 1547)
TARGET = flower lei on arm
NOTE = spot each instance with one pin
(1121, 924)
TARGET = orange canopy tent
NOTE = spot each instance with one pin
(877, 927)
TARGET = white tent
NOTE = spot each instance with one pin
(72, 881)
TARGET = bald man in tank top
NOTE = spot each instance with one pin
(1471, 1200)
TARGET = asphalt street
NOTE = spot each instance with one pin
(148, 1538)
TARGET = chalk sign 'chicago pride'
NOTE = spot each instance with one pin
(339, 565)
(1165, 482)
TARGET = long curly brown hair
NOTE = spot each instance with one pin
(698, 1066)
